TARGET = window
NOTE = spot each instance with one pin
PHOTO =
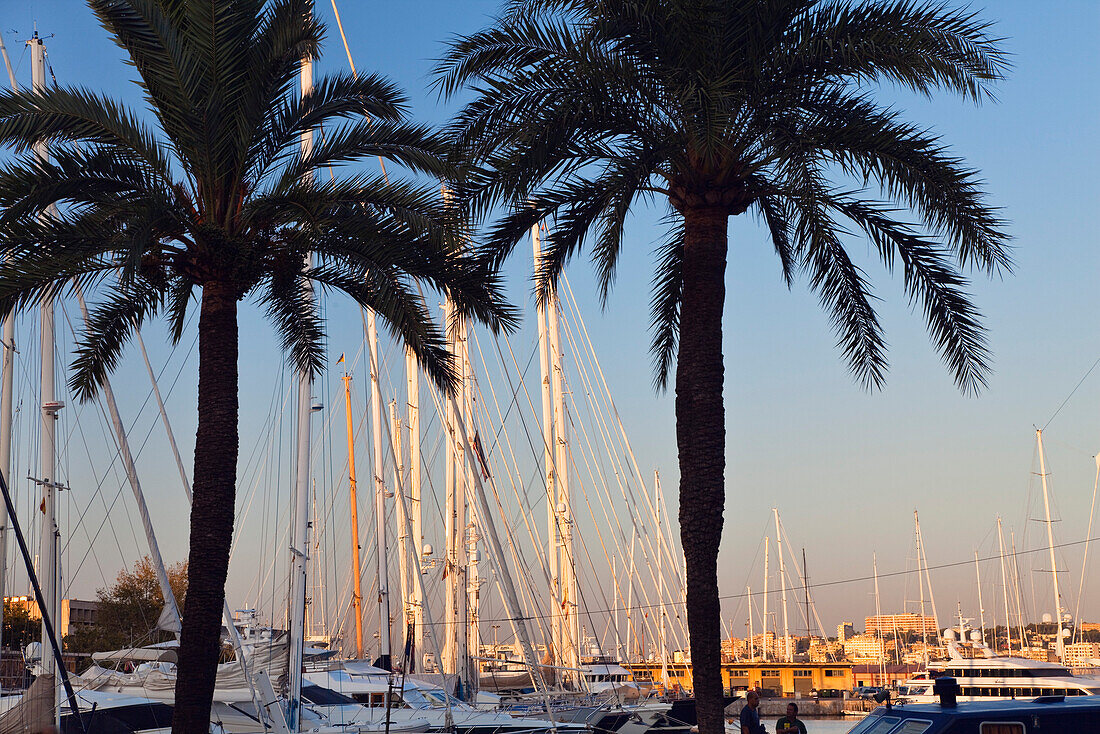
(769, 673)
(1001, 727)
(739, 673)
(834, 673)
(803, 674)
(876, 725)
(913, 726)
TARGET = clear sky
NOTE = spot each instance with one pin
(845, 468)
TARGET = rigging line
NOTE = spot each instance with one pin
(1071, 392)
(606, 393)
(1084, 561)
(521, 561)
(621, 473)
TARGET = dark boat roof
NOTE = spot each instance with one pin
(1054, 709)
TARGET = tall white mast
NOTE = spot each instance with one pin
(923, 559)
(748, 596)
(981, 607)
(549, 470)
(402, 532)
(456, 655)
(49, 565)
(412, 378)
(381, 552)
(7, 385)
(563, 503)
(783, 586)
(299, 545)
(1004, 585)
(881, 649)
(767, 540)
(660, 582)
(631, 633)
(1050, 545)
(470, 531)
(1016, 591)
(920, 580)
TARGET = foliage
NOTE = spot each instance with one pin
(129, 609)
(207, 196)
(19, 627)
(583, 109)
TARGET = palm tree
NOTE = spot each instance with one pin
(582, 109)
(212, 200)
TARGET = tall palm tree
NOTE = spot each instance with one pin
(582, 109)
(212, 200)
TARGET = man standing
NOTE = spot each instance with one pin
(750, 716)
(789, 724)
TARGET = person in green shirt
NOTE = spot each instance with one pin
(790, 724)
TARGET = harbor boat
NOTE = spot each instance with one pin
(1000, 678)
(1048, 714)
(382, 695)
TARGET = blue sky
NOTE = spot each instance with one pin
(845, 468)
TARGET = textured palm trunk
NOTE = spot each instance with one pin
(701, 440)
(212, 506)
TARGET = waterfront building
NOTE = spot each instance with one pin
(781, 679)
(904, 622)
(865, 649)
(844, 630)
(75, 613)
(1089, 626)
(1083, 655)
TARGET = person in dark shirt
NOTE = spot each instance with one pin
(750, 715)
(790, 724)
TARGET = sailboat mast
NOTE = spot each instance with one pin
(412, 378)
(748, 597)
(881, 651)
(299, 545)
(7, 385)
(456, 655)
(353, 501)
(470, 531)
(563, 502)
(660, 582)
(402, 533)
(920, 580)
(49, 564)
(767, 540)
(549, 470)
(783, 586)
(981, 607)
(1004, 585)
(1050, 545)
(381, 551)
(923, 559)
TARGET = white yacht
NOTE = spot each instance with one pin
(412, 699)
(999, 678)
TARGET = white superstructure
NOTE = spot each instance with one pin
(990, 679)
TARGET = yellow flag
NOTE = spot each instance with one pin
(340, 360)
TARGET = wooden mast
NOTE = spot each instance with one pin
(356, 573)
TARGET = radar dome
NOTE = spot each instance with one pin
(975, 636)
(1047, 619)
(949, 634)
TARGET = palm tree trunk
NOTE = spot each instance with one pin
(701, 440)
(212, 506)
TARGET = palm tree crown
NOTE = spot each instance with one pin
(214, 199)
(583, 108)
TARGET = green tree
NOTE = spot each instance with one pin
(582, 109)
(128, 610)
(206, 196)
(19, 627)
